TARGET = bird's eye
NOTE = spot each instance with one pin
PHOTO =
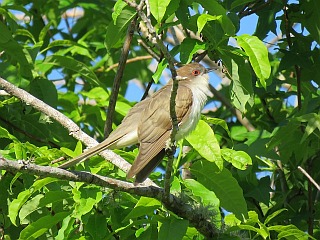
(195, 72)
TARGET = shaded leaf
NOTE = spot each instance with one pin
(189, 47)
(42, 225)
(223, 184)
(144, 206)
(74, 65)
(173, 229)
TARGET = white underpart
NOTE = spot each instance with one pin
(200, 91)
(127, 140)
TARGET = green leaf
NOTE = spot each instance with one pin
(273, 215)
(214, 8)
(63, 43)
(161, 66)
(204, 141)
(241, 86)
(40, 201)
(67, 226)
(76, 66)
(289, 232)
(217, 121)
(15, 51)
(122, 108)
(258, 56)
(203, 19)
(208, 198)
(116, 32)
(173, 229)
(311, 18)
(158, 8)
(223, 184)
(189, 47)
(143, 207)
(5, 134)
(118, 7)
(44, 90)
(23, 196)
(313, 123)
(85, 198)
(97, 221)
(26, 33)
(238, 159)
(231, 220)
(44, 31)
(42, 225)
(5, 36)
(261, 192)
(238, 3)
(262, 232)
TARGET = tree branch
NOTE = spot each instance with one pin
(296, 67)
(118, 77)
(155, 38)
(309, 178)
(67, 123)
(182, 208)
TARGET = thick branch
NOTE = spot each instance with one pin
(67, 123)
(177, 205)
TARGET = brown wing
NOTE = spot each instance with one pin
(155, 128)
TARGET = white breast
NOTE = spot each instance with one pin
(200, 91)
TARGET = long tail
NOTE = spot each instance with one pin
(85, 155)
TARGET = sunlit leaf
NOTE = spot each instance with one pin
(203, 19)
(238, 159)
(258, 56)
(203, 140)
(158, 8)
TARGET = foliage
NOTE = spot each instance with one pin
(244, 164)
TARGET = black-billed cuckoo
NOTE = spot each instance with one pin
(149, 123)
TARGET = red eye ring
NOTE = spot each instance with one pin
(195, 72)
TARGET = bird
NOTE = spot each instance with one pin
(149, 124)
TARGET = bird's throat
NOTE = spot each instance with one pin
(200, 92)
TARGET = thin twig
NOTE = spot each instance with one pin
(149, 50)
(297, 67)
(131, 60)
(309, 177)
(255, 8)
(198, 219)
(118, 77)
(146, 92)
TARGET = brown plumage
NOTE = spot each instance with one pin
(149, 123)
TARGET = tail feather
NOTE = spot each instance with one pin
(89, 153)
